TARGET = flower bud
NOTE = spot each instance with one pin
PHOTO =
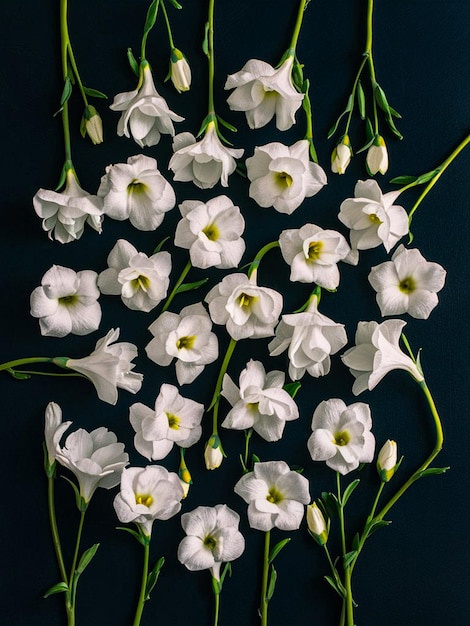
(341, 156)
(213, 454)
(316, 524)
(180, 72)
(377, 157)
(92, 125)
(387, 460)
(185, 476)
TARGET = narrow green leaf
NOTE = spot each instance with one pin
(151, 16)
(366, 146)
(348, 491)
(292, 388)
(153, 577)
(133, 62)
(433, 471)
(381, 98)
(176, 4)
(339, 591)
(205, 42)
(355, 541)
(205, 122)
(348, 108)
(18, 375)
(66, 92)
(227, 570)
(59, 588)
(349, 557)
(403, 180)
(391, 125)
(271, 584)
(394, 112)
(361, 101)
(191, 286)
(227, 124)
(277, 548)
(330, 502)
(425, 178)
(94, 93)
(375, 525)
(86, 557)
(78, 497)
(160, 245)
(241, 169)
(140, 538)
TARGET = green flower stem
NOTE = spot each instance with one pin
(178, 284)
(248, 434)
(264, 580)
(218, 386)
(353, 92)
(210, 55)
(32, 372)
(143, 586)
(297, 27)
(72, 579)
(370, 59)
(143, 45)
(64, 42)
(216, 601)
(307, 106)
(35, 359)
(348, 601)
(257, 260)
(168, 25)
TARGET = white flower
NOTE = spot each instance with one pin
(54, 428)
(109, 367)
(180, 72)
(275, 495)
(203, 162)
(136, 191)
(213, 453)
(341, 156)
(64, 213)
(264, 92)
(97, 459)
(387, 460)
(148, 493)
(377, 353)
(66, 302)
(141, 281)
(174, 419)
(313, 254)
(145, 114)
(283, 176)
(212, 538)
(377, 157)
(407, 284)
(211, 231)
(317, 524)
(260, 403)
(309, 337)
(341, 435)
(246, 309)
(186, 337)
(372, 217)
(92, 125)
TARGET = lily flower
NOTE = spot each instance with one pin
(54, 428)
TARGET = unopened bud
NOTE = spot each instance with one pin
(180, 72)
(341, 156)
(213, 454)
(316, 524)
(92, 125)
(377, 157)
(387, 460)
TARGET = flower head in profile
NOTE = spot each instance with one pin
(147, 494)
(377, 353)
(247, 310)
(387, 460)
(92, 125)
(407, 284)
(262, 92)
(180, 72)
(341, 435)
(283, 176)
(204, 162)
(145, 114)
(260, 402)
(212, 538)
(54, 428)
(211, 231)
(97, 459)
(64, 213)
(275, 494)
(377, 157)
(174, 419)
(136, 191)
(213, 453)
(186, 337)
(341, 156)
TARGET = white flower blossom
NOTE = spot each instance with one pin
(67, 302)
(186, 337)
(213, 453)
(407, 284)
(387, 460)
(174, 419)
(341, 156)
(211, 231)
(377, 353)
(54, 428)
(136, 191)
(275, 494)
(180, 72)
(283, 176)
(377, 157)
(317, 524)
(262, 92)
(260, 403)
(341, 435)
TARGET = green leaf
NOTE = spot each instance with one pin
(227, 570)
(191, 286)
(370, 135)
(151, 16)
(403, 180)
(349, 558)
(381, 98)
(394, 112)
(153, 577)
(330, 502)
(348, 108)
(86, 558)
(292, 388)
(133, 62)
(393, 128)
(339, 590)
(160, 245)
(366, 146)
(255, 459)
(348, 491)
(66, 92)
(226, 124)
(355, 541)
(205, 42)
(432, 471)
(361, 101)
(216, 588)
(59, 588)
(18, 375)
(271, 584)
(94, 93)
(176, 4)
(78, 497)
(139, 536)
(277, 548)
(372, 526)
(425, 178)
(205, 123)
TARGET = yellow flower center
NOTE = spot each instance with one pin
(135, 186)
(144, 499)
(211, 232)
(68, 300)
(252, 406)
(210, 542)
(186, 342)
(173, 421)
(284, 179)
(314, 250)
(407, 285)
(244, 300)
(274, 496)
(374, 219)
(342, 438)
(141, 282)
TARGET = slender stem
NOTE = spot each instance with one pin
(297, 27)
(143, 586)
(248, 433)
(365, 532)
(370, 59)
(34, 373)
(307, 107)
(143, 45)
(210, 54)
(64, 56)
(168, 25)
(257, 260)
(12, 364)
(54, 528)
(76, 73)
(178, 284)
(353, 92)
(264, 580)
(347, 570)
(216, 604)
(218, 386)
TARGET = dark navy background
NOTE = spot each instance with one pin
(414, 572)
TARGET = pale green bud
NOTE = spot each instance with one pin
(316, 524)
(387, 460)
(377, 157)
(341, 156)
(180, 72)
(92, 125)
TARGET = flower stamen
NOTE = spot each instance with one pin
(211, 232)
(136, 186)
(314, 250)
(407, 285)
(274, 496)
(284, 179)
(186, 343)
(173, 421)
(144, 499)
(341, 438)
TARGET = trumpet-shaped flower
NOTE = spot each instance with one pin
(377, 157)
(174, 419)
(141, 281)
(66, 302)
(136, 191)
(246, 309)
(186, 337)
(147, 494)
(373, 218)
(204, 162)
(54, 428)
(212, 538)
(341, 435)
(275, 494)
(109, 367)
(313, 254)
(145, 114)
(283, 176)
(407, 284)
(260, 403)
(341, 156)
(262, 92)
(377, 353)
(96, 459)
(211, 232)
(64, 213)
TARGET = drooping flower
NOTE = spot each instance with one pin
(92, 125)
(313, 254)
(275, 494)
(66, 302)
(407, 284)
(213, 453)
(141, 281)
(186, 337)
(54, 428)
(204, 162)
(377, 353)
(136, 191)
(180, 72)
(147, 494)
(341, 435)
(145, 114)
(97, 459)
(262, 92)
(283, 176)
(260, 403)
(249, 311)
(341, 156)
(211, 231)
(212, 538)
(377, 157)
(174, 419)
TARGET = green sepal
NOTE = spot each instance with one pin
(297, 468)
(94, 93)
(226, 124)
(141, 538)
(227, 570)
(292, 388)
(205, 123)
(191, 286)
(58, 588)
(348, 491)
(83, 122)
(215, 586)
(86, 558)
(67, 91)
(48, 468)
(133, 62)
(337, 586)
(361, 101)
(349, 557)
(18, 375)
(205, 41)
(255, 459)
(355, 542)
(381, 99)
(176, 4)
(349, 107)
(298, 76)
(160, 245)
(432, 471)
(271, 584)
(80, 502)
(153, 577)
(151, 16)
(330, 503)
(277, 548)
(374, 525)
